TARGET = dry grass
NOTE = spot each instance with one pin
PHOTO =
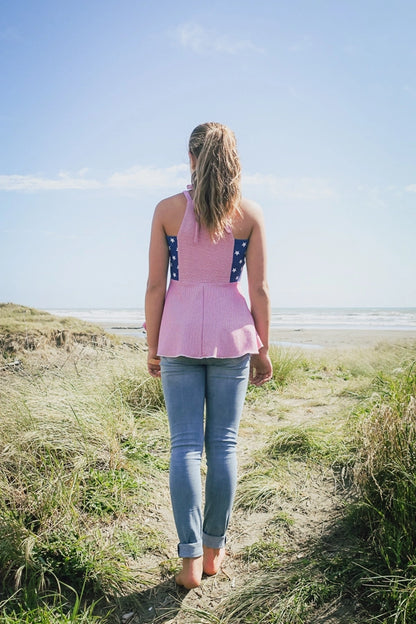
(77, 460)
(386, 476)
(27, 329)
(84, 454)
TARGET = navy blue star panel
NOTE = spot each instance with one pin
(239, 258)
(173, 256)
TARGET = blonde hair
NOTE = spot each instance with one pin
(216, 179)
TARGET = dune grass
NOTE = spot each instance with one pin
(386, 476)
(24, 329)
(16, 319)
(80, 456)
(375, 536)
(84, 453)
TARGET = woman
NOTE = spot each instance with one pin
(203, 340)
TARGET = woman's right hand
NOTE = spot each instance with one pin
(261, 368)
(153, 363)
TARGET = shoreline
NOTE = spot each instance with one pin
(340, 338)
(305, 328)
(304, 338)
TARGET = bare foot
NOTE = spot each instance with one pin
(213, 558)
(191, 573)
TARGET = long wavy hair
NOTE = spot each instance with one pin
(217, 177)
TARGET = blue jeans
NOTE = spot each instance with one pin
(188, 385)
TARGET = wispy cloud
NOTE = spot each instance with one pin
(149, 177)
(204, 41)
(134, 178)
(32, 183)
(411, 188)
(291, 188)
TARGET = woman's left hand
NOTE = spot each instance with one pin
(261, 368)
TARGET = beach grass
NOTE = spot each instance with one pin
(76, 460)
(27, 329)
(84, 457)
(374, 560)
(385, 473)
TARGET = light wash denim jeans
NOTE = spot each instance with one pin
(188, 385)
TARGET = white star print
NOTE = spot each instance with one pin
(237, 253)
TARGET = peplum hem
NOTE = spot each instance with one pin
(203, 320)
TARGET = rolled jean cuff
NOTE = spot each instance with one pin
(190, 550)
(212, 541)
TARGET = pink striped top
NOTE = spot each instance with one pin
(205, 312)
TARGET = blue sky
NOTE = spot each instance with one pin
(98, 99)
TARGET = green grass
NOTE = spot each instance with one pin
(141, 392)
(287, 365)
(84, 448)
(376, 534)
(110, 491)
(60, 611)
(291, 441)
(319, 442)
(264, 552)
(386, 477)
(80, 461)
(257, 489)
(15, 319)
(25, 329)
(288, 450)
(275, 600)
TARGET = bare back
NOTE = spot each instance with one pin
(172, 210)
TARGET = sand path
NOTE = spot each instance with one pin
(313, 501)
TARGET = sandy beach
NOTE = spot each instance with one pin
(306, 338)
(306, 328)
(340, 338)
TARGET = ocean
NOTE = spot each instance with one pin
(130, 320)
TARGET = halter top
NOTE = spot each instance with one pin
(205, 312)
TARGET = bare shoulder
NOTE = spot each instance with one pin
(248, 220)
(170, 203)
(251, 212)
(250, 209)
(169, 212)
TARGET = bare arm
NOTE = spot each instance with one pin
(261, 369)
(156, 289)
